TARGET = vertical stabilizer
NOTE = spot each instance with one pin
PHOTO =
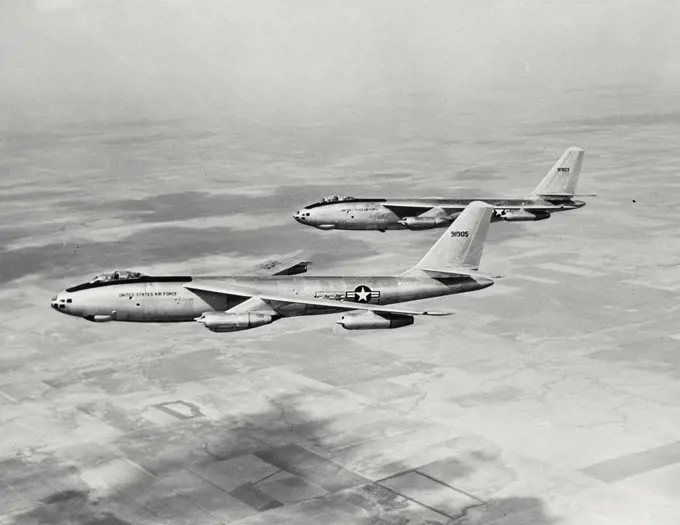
(462, 244)
(560, 182)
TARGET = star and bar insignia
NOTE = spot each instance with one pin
(362, 294)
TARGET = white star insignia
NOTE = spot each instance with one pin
(363, 294)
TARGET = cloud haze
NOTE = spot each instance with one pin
(118, 59)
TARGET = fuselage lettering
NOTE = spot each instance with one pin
(147, 294)
(329, 295)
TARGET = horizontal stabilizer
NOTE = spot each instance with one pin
(444, 273)
(549, 196)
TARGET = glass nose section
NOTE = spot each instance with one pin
(58, 302)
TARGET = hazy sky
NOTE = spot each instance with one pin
(103, 59)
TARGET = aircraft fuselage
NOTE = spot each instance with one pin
(165, 299)
(395, 214)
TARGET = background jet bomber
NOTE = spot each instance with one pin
(274, 290)
(555, 193)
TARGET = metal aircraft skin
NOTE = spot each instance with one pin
(554, 194)
(226, 304)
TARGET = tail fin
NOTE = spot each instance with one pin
(462, 244)
(560, 182)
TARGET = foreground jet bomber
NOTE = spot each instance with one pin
(227, 304)
(555, 193)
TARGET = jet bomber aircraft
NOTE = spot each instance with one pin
(273, 291)
(555, 193)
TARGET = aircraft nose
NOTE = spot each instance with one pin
(59, 302)
(54, 302)
(301, 216)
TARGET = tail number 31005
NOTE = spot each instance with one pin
(459, 233)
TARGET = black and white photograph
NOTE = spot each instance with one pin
(380, 262)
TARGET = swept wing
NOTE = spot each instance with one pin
(290, 264)
(402, 208)
(227, 289)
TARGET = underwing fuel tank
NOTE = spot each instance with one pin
(373, 321)
(424, 223)
(99, 318)
(523, 215)
(229, 322)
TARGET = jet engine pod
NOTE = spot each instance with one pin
(228, 322)
(524, 215)
(424, 223)
(373, 321)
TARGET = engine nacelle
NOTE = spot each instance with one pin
(232, 322)
(424, 223)
(524, 215)
(373, 321)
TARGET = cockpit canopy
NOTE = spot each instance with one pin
(117, 275)
(336, 198)
(331, 200)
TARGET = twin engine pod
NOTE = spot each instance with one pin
(424, 223)
(372, 321)
(523, 215)
(232, 322)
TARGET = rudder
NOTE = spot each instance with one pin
(462, 244)
(560, 182)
